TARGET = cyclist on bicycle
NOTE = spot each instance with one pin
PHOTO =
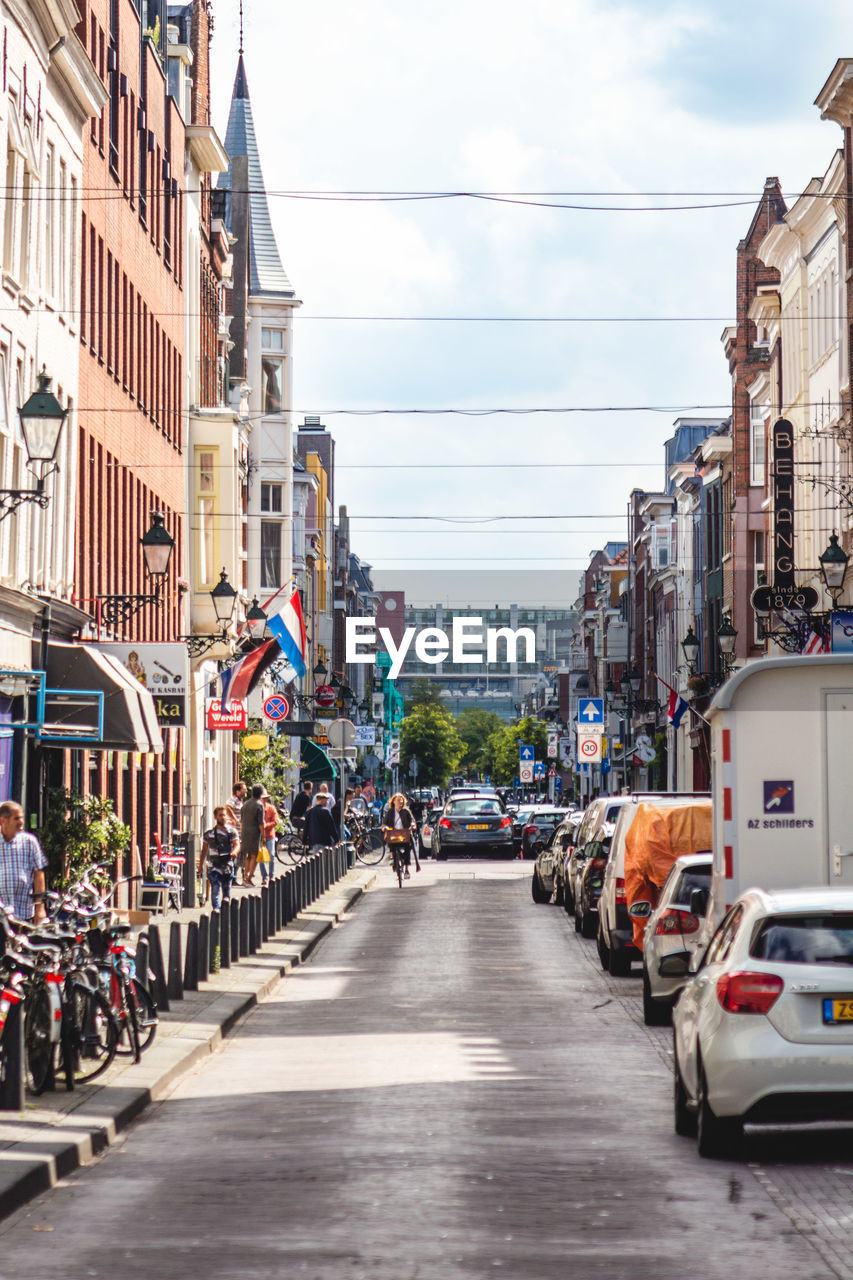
(300, 806)
(399, 827)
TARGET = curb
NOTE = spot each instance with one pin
(36, 1152)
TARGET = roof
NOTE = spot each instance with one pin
(267, 275)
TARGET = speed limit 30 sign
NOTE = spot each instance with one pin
(589, 748)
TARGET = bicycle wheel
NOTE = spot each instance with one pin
(91, 1034)
(38, 1046)
(370, 847)
(289, 850)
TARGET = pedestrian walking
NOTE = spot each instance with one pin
(220, 846)
(301, 805)
(237, 798)
(320, 828)
(22, 864)
(266, 853)
(251, 832)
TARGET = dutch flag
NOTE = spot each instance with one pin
(288, 627)
(676, 709)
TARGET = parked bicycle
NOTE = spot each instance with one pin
(365, 838)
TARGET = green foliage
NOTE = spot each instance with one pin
(267, 767)
(429, 735)
(500, 754)
(79, 830)
(422, 692)
(475, 727)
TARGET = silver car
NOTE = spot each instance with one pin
(674, 928)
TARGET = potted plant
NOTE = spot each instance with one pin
(697, 686)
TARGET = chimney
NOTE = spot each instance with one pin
(200, 25)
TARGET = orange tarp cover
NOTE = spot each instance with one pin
(656, 837)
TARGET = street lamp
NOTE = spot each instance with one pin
(833, 568)
(224, 598)
(41, 417)
(157, 547)
(256, 620)
(726, 638)
(320, 672)
(690, 647)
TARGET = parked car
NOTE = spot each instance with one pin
(673, 929)
(540, 826)
(590, 880)
(548, 858)
(615, 937)
(763, 1031)
(604, 809)
(431, 817)
(473, 824)
(565, 836)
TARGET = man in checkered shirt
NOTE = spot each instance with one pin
(22, 865)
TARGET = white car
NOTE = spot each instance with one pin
(673, 928)
(763, 1031)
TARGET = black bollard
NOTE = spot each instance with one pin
(236, 940)
(266, 912)
(12, 1092)
(204, 947)
(254, 931)
(155, 963)
(225, 936)
(214, 943)
(143, 962)
(245, 909)
(176, 972)
(191, 959)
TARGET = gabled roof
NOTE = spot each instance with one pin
(266, 273)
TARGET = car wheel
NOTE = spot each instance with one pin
(656, 1013)
(589, 924)
(685, 1119)
(719, 1137)
(539, 893)
(620, 963)
(559, 892)
(568, 900)
(603, 949)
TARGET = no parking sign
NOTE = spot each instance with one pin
(276, 707)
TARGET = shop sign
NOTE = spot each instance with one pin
(235, 718)
(163, 669)
(783, 504)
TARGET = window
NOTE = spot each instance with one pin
(206, 463)
(270, 554)
(11, 204)
(50, 211)
(271, 385)
(721, 943)
(272, 339)
(271, 497)
(757, 442)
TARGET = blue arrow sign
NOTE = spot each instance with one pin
(591, 711)
(538, 769)
(526, 754)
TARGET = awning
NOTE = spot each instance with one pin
(130, 719)
(316, 765)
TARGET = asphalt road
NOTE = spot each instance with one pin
(449, 1089)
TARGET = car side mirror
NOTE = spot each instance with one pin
(699, 903)
(674, 966)
(640, 910)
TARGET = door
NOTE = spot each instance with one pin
(839, 793)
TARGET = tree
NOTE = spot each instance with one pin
(475, 726)
(269, 766)
(78, 831)
(422, 692)
(501, 750)
(429, 735)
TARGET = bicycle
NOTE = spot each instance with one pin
(399, 861)
(367, 841)
(289, 848)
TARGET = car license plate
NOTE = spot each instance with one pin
(476, 826)
(838, 1010)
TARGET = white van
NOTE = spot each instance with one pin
(615, 936)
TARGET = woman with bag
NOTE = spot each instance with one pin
(398, 827)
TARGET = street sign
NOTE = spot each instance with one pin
(525, 773)
(558, 783)
(365, 735)
(370, 764)
(413, 767)
(553, 744)
(538, 769)
(341, 733)
(324, 695)
(236, 717)
(589, 747)
(646, 753)
(255, 741)
(591, 711)
(392, 753)
(276, 707)
(526, 754)
(552, 772)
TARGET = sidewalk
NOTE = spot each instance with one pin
(60, 1131)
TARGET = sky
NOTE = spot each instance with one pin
(620, 99)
